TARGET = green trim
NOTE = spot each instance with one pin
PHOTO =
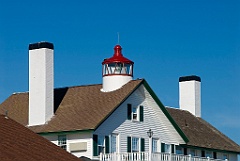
(141, 114)
(172, 148)
(163, 147)
(142, 144)
(65, 132)
(203, 153)
(129, 144)
(106, 144)
(164, 110)
(209, 149)
(129, 111)
(95, 145)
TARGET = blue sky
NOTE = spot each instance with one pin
(166, 39)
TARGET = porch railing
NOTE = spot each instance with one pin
(142, 156)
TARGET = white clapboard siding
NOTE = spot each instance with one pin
(154, 119)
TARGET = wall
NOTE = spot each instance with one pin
(78, 137)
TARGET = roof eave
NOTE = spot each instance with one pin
(65, 132)
(204, 148)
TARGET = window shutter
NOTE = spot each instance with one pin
(215, 155)
(95, 145)
(129, 111)
(142, 145)
(185, 151)
(106, 144)
(141, 113)
(162, 147)
(172, 148)
(129, 146)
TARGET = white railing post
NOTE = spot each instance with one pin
(144, 156)
(150, 148)
(208, 158)
(189, 159)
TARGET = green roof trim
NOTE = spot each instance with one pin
(209, 149)
(65, 132)
(164, 110)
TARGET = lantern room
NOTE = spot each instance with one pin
(118, 64)
(116, 71)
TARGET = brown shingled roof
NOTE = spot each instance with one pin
(200, 133)
(86, 107)
(76, 108)
(18, 143)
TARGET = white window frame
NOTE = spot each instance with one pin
(135, 115)
(116, 143)
(135, 144)
(62, 141)
(155, 145)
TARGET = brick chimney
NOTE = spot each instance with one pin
(190, 94)
(40, 83)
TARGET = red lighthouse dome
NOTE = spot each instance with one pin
(116, 71)
(117, 64)
(117, 57)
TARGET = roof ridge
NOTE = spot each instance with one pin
(75, 86)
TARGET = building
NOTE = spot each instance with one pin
(18, 143)
(115, 120)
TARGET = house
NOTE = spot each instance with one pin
(18, 143)
(120, 119)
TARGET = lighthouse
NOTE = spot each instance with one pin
(116, 71)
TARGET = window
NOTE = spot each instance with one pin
(100, 144)
(155, 145)
(192, 152)
(117, 68)
(167, 148)
(225, 156)
(209, 154)
(179, 150)
(135, 113)
(114, 143)
(135, 144)
(62, 141)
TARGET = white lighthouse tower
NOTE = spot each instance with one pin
(116, 71)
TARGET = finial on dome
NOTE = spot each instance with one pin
(118, 38)
(118, 50)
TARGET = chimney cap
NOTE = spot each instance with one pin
(40, 45)
(189, 78)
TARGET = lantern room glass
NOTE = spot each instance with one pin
(117, 69)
